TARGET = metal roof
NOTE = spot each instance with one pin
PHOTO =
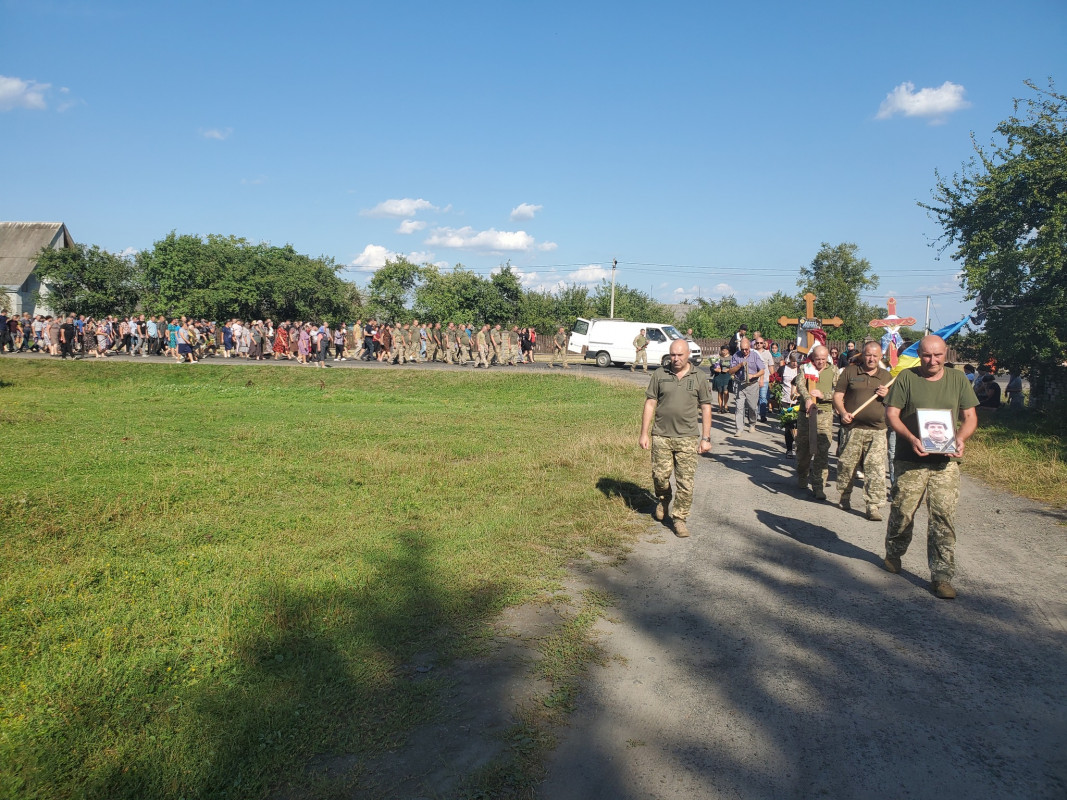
(20, 242)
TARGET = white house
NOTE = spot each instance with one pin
(20, 242)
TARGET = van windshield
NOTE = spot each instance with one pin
(672, 332)
(581, 327)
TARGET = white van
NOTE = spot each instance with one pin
(611, 341)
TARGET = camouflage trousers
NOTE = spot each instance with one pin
(559, 355)
(814, 460)
(483, 357)
(641, 360)
(940, 483)
(866, 448)
(399, 354)
(677, 456)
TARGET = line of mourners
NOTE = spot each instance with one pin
(188, 340)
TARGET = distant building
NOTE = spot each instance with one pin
(20, 243)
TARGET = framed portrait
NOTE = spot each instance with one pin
(937, 430)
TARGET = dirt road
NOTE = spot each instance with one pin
(771, 656)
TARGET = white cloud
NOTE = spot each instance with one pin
(491, 241)
(524, 211)
(373, 257)
(17, 93)
(218, 134)
(933, 103)
(129, 252)
(723, 289)
(406, 207)
(420, 257)
(410, 226)
(590, 274)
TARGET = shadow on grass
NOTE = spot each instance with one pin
(322, 681)
(636, 498)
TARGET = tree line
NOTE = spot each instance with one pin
(220, 277)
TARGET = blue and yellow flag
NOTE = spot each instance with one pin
(910, 356)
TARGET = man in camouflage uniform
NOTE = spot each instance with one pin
(816, 396)
(467, 342)
(863, 431)
(483, 347)
(920, 473)
(496, 344)
(448, 339)
(673, 398)
(641, 347)
(559, 352)
(513, 345)
(399, 354)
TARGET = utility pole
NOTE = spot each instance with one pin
(926, 330)
(614, 263)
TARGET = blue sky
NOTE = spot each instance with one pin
(710, 148)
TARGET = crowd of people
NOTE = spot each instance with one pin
(912, 427)
(188, 340)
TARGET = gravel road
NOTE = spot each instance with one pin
(771, 656)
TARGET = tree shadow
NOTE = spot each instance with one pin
(322, 681)
(803, 674)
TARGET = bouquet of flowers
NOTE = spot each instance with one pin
(789, 415)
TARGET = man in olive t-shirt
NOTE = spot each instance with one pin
(920, 473)
(863, 431)
(673, 397)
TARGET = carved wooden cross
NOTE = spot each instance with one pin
(809, 322)
(892, 323)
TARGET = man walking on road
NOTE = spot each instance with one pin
(921, 473)
(559, 344)
(747, 369)
(863, 432)
(641, 349)
(672, 400)
(815, 386)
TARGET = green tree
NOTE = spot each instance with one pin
(455, 296)
(1006, 213)
(224, 276)
(572, 302)
(631, 304)
(837, 276)
(393, 287)
(88, 280)
(502, 298)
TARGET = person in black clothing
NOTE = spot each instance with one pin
(5, 333)
(67, 332)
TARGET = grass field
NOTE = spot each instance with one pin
(213, 574)
(1024, 452)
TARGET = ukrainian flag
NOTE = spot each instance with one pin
(910, 356)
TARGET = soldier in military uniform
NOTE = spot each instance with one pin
(559, 351)
(672, 401)
(921, 473)
(496, 344)
(816, 396)
(483, 347)
(513, 345)
(641, 346)
(399, 354)
(863, 432)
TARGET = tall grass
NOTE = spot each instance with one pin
(213, 575)
(1024, 452)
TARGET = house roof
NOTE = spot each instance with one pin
(20, 242)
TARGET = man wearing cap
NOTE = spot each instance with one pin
(674, 396)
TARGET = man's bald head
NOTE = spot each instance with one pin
(932, 350)
(819, 355)
(679, 347)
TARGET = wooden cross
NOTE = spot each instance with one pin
(809, 322)
(892, 323)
